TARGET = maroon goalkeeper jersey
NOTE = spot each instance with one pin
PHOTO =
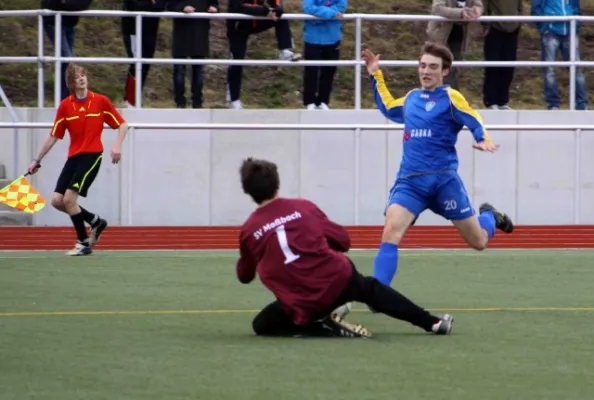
(296, 251)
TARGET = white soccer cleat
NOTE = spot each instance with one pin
(80, 249)
(444, 326)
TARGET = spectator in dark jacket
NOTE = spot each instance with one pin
(322, 39)
(150, 29)
(190, 40)
(501, 44)
(68, 31)
(238, 32)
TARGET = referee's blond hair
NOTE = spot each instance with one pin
(71, 72)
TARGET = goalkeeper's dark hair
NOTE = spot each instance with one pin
(259, 179)
(438, 50)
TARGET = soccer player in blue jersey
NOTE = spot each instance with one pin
(428, 179)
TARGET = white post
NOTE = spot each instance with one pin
(40, 65)
(572, 58)
(356, 178)
(138, 56)
(137, 105)
(358, 35)
(128, 184)
(577, 173)
(15, 134)
(58, 63)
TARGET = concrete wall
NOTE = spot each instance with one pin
(190, 177)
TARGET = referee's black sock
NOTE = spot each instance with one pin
(89, 217)
(79, 225)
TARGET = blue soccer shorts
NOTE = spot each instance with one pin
(443, 193)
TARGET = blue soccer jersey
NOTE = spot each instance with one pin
(432, 120)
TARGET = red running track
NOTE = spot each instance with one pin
(363, 237)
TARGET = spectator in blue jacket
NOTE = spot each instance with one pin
(322, 39)
(554, 38)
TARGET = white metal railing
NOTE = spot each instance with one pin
(357, 63)
(15, 118)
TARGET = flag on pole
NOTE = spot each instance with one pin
(22, 196)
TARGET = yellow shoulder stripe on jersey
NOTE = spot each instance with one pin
(58, 122)
(387, 99)
(460, 102)
(112, 116)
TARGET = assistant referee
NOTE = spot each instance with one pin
(83, 114)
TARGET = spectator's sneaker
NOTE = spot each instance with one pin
(505, 107)
(323, 106)
(444, 326)
(502, 221)
(289, 55)
(80, 249)
(311, 106)
(97, 231)
(339, 327)
(236, 105)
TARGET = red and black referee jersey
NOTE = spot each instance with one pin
(84, 119)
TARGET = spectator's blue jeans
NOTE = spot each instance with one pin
(551, 45)
(179, 84)
(67, 51)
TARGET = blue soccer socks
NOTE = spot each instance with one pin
(385, 264)
(487, 222)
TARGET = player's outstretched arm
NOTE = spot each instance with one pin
(469, 117)
(246, 267)
(47, 146)
(58, 132)
(116, 149)
(390, 107)
(115, 120)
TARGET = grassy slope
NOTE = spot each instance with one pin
(101, 37)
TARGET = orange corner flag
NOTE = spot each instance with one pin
(22, 196)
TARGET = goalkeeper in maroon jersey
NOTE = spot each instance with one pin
(298, 254)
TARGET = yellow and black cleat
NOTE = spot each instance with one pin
(346, 329)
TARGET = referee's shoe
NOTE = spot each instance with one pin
(96, 232)
(81, 249)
